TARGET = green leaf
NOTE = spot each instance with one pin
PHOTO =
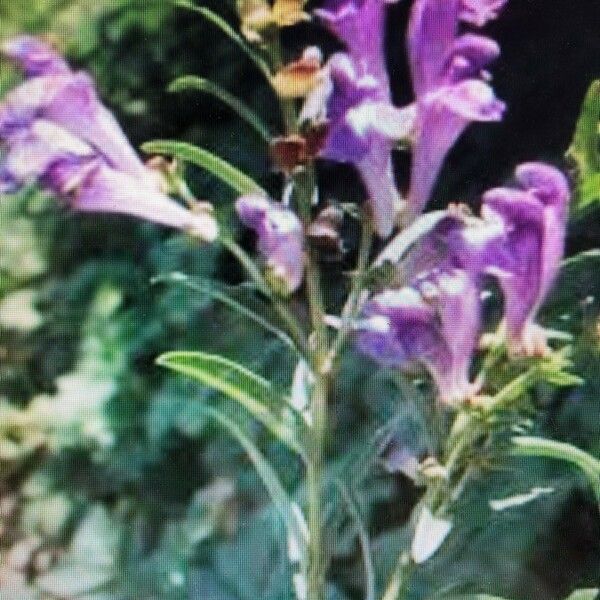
(226, 28)
(191, 82)
(254, 393)
(222, 293)
(582, 257)
(542, 447)
(584, 148)
(363, 537)
(295, 525)
(584, 594)
(469, 597)
(588, 191)
(220, 168)
(395, 250)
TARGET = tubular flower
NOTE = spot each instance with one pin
(519, 240)
(280, 240)
(362, 126)
(55, 130)
(534, 218)
(450, 83)
(434, 322)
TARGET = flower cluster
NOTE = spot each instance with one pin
(450, 85)
(54, 130)
(435, 319)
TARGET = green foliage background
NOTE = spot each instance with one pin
(115, 485)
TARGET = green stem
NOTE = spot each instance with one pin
(291, 322)
(304, 189)
(316, 558)
(352, 306)
(318, 404)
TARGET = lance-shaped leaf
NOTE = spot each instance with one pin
(293, 519)
(584, 594)
(191, 82)
(257, 395)
(228, 30)
(220, 168)
(584, 149)
(536, 446)
(469, 597)
(248, 307)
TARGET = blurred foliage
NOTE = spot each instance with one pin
(114, 482)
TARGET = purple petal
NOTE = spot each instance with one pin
(435, 322)
(468, 57)
(458, 304)
(93, 186)
(30, 151)
(354, 135)
(360, 25)
(280, 239)
(479, 12)
(399, 328)
(432, 28)
(443, 116)
(35, 57)
(71, 102)
(449, 82)
(535, 222)
(377, 173)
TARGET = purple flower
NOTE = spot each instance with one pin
(55, 130)
(362, 127)
(360, 25)
(534, 218)
(92, 186)
(280, 240)
(450, 83)
(519, 240)
(35, 56)
(434, 321)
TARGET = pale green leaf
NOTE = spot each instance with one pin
(191, 82)
(295, 525)
(397, 248)
(584, 594)
(430, 534)
(220, 168)
(584, 148)
(588, 191)
(581, 257)
(365, 543)
(542, 447)
(469, 597)
(71, 579)
(501, 504)
(254, 393)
